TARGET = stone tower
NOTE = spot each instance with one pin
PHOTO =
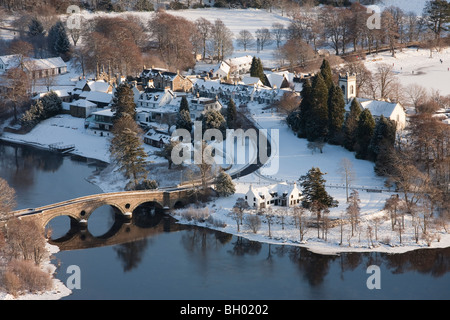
(348, 85)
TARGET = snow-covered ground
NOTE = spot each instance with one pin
(414, 66)
(295, 159)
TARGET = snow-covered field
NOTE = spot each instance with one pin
(414, 66)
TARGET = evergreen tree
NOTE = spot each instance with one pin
(381, 148)
(384, 134)
(350, 125)
(317, 121)
(231, 114)
(336, 114)
(184, 120)
(123, 102)
(213, 119)
(257, 70)
(325, 71)
(364, 133)
(36, 36)
(35, 28)
(305, 108)
(224, 185)
(58, 41)
(313, 185)
(184, 104)
(127, 150)
(294, 121)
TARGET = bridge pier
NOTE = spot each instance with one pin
(128, 215)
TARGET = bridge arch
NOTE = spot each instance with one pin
(147, 202)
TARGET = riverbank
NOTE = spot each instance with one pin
(58, 291)
(293, 159)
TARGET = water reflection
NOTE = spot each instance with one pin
(187, 262)
(131, 240)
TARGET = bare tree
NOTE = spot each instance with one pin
(221, 40)
(245, 39)
(347, 173)
(278, 32)
(26, 240)
(253, 222)
(264, 37)
(415, 94)
(7, 199)
(300, 217)
(18, 88)
(269, 216)
(384, 77)
(353, 210)
(238, 211)
(204, 28)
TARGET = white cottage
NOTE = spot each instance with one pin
(281, 194)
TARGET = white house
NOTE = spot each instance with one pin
(221, 70)
(201, 105)
(281, 194)
(390, 110)
(155, 98)
(239, 65)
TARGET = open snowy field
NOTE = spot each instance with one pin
(414, 66)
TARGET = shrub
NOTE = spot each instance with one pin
(253, 222)
(25, 276)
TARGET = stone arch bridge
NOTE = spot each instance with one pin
(80, 209)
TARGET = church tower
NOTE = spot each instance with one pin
(348, 85)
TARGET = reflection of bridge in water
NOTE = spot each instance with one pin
(142, 225)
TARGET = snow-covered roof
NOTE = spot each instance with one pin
(249, 81)
(239, 60)
(104, 112)
(378, 107)
(95, 96)
(99, 86)
(8, 59)
(60, 93)
(152, 134)
(33, 64)
(83, 103)
(279, 188)
(223, 66)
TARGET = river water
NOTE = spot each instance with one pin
(153, 257)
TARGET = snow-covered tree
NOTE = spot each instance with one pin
(224, 185)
